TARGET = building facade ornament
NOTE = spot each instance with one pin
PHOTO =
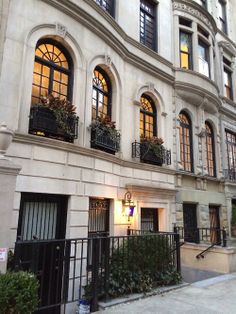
(108, 60)
(194, 12)
(61, 30)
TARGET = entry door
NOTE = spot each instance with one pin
(214, 224)
(190, 223)
(149, 219)
(98, 227)
(43, 217)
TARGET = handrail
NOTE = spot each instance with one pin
(206, 250)
(215, 236)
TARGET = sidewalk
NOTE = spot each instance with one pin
(215, 295)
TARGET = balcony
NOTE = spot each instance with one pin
(105, 139)
(43, 122)
(151, 154)
(230, 174)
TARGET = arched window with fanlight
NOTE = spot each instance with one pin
(101, 103)
(147, 125)
(52, 90)
(53, 71)
(210, 150)
(186, 147)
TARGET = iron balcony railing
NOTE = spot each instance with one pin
(42, 122)
(230, 174)
(103, 140)
(151, 154)
(69, 269)
(214, 236)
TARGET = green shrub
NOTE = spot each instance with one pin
(139, 264)
(18, 293)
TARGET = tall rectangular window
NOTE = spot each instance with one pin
(203, 58)
(222, 16)
(231, 149)
(107, 5)
(227, 79)
(185, 50)
(148, 24)
(204, 3)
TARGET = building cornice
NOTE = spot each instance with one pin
(79, 14)
(196, 11)
(88, 152)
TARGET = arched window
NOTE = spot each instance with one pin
(101, 106)
(186, 149)
(210, 151)
(147, 124)
(52, 71)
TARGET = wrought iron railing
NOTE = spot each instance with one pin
(43, 122)
(230, 174)
(152, 154)
(103, 140)
(69, 269)
(214, 236)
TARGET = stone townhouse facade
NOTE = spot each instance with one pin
(157, 68)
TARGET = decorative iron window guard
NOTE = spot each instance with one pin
(42, 122)
(230, 174)
(151, 154)
(103, 139)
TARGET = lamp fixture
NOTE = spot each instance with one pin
(128, 205)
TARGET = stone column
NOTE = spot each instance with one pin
(8, 174)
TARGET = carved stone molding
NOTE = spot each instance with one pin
(108, 60)
(61, 30)
(194, 12)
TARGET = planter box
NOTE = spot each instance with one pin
(151, 156)
(102, 140)
(43, 123)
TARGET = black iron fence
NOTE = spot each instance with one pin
(214, 236)
(230, 174)
(150, 153)
(96, 267)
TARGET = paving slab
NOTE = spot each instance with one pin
(216, 295)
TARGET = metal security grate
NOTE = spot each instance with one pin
(42, 217)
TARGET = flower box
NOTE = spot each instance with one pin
(104, 136)
(43, 122)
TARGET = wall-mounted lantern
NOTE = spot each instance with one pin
(128, 205)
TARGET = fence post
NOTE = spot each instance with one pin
(95, 271)
(175, 228)
(128, 231)
(224, 237)
(106, 265)
(177, 245)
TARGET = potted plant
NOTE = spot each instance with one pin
(233, 221)
(104, 135)
(152, 150)
(54, 117)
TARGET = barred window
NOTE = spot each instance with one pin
(107, 5)
(52, 71)
(148, 24)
